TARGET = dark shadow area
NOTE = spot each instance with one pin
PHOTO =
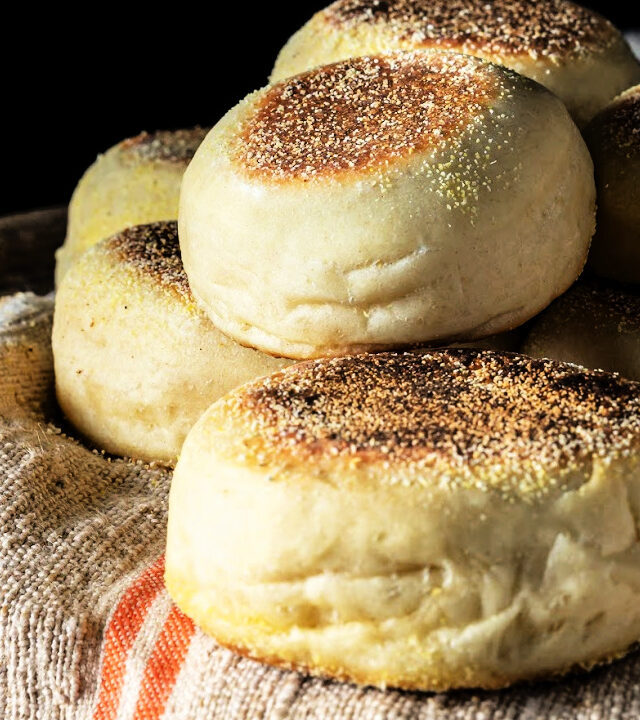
(28, 242)
(68, 95)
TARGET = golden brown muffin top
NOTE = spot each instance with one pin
(617, 127)
(363, 113)
(548, 28)
(153, 252)
(170, 146)
(470, 409)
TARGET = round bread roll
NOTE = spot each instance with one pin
(136, 361)
(385, 201)
(454, 519)
(134, 182)
(594, 325)
(571, 50)
(614, 140)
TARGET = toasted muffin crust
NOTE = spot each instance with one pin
(153, 251)
(470, 410)
(362, 114)
(552, 28)
(177, 146)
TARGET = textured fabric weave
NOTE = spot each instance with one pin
(87, 629)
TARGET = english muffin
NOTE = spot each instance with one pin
(613, 138)
(453, 519)
(386, 201)
(134, 182)
(136, 361)
(594, 324)
(571, 50)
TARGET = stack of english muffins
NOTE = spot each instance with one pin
(351, 500)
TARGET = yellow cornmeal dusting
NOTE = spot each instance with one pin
(548, 28)
(495, 418)
(169, 146)
(153, 251)
(617, 127)
(364, 113)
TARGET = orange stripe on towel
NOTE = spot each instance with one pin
(164, 665)
(120, 636)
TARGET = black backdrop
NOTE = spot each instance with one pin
(68, 93)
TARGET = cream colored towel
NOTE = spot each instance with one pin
(87, 629)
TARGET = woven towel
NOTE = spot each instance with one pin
(87, 629)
